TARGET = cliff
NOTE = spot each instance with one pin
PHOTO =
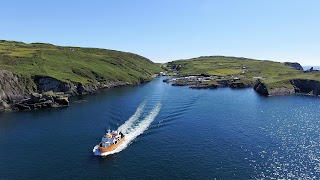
(17, 93)
(32, 70)
(306, 86)
(299, 86)
(42, 92)
(12, 89)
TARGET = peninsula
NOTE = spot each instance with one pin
(266, 77)
(40, 75)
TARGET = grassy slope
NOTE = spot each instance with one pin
(84, 65)
(274, 74)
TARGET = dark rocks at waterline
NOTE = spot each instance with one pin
(306, 86)
(45, 84)
(42, 101)
(15, 90)
(239, 85)
(183, 83)
(280, 91)
(261, 88)
(207, 82)
(167, 80)
(299, 86)
(204, 86)
(12, 87)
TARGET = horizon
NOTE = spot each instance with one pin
(164, 31)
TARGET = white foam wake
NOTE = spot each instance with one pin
(124, 128)
(132, 128)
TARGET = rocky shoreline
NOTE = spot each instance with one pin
(18, 93)
(208, 82)
(298, 86)
(42, 101)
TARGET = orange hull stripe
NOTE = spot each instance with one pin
(112, 147)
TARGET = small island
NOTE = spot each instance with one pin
(268, 78)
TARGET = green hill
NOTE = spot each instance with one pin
(74, 64)
(273, 74)
(39, 75)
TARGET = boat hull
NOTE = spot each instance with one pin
(112, 147)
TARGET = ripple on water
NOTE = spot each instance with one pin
(296, 153)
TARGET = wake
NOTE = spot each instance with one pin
(133, 127)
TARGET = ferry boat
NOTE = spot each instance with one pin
(109, 142)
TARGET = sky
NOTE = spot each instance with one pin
(166, 30)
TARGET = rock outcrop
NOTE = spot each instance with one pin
(261, 88)
(18, 93)
(280, 91)
(306, 86)
(295, 65)
(13, 89)
(204, 86)
(40, 101)
(45, 84)
(240, 85)
(299, 86)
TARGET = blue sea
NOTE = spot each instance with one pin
(173, 133)
(308, 67)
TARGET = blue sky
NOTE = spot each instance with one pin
(165, 30)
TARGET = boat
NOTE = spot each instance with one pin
(109, 142)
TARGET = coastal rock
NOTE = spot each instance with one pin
(45, 84)
(238, 85)
(223, 83)
(306, 86)
(12, 87)
(81, 89)
(46, 92)
(167, 80)
(183, 83)
(204, 86)
(280, 91)
(295, 65)
(261, 88)
(4, 106)
(303, 86)
(45, 100)
(22, 106)
(61, 100)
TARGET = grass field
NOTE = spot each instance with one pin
(274, 74)
(83, 65)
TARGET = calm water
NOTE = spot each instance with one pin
(177, 133)
(308, 67)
